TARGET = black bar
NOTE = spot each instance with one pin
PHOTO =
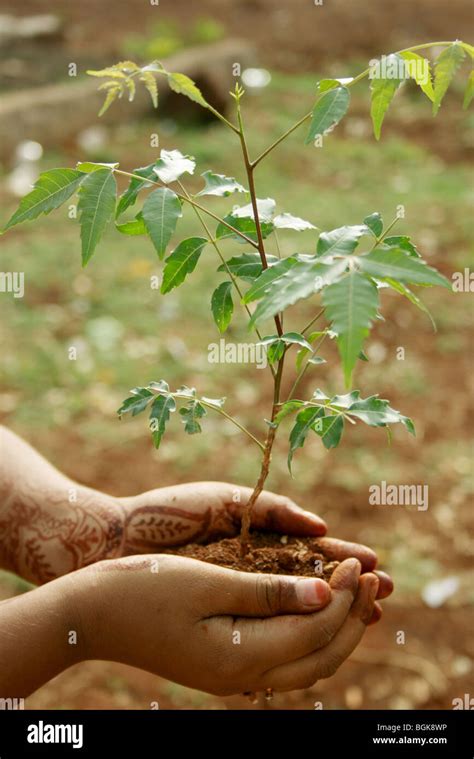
(331, 733)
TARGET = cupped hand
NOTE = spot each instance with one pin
(219, 630)
(199, 511)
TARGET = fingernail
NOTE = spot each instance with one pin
(313, 593)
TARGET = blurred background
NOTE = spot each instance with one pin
(127, 334)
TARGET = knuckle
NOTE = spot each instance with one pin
(270, 591)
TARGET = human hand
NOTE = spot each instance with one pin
(219, 630)
(199, 511)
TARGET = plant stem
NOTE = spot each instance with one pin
(219, 253)
(265, 467)
(303, 371)
(253, 197)
(234, 421)
(193, 203)
(385, 233)
(313, 320)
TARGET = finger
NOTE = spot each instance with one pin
(323, 663)
(269, 642)
(385, 584)
(376, 614)
(249, 594)
(338, 550)
(280, 514)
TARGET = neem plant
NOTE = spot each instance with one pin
(345, 271)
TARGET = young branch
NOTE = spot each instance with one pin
(253, 196)
(356, 79)
(192, 203)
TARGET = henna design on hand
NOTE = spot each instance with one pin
(150, 527)
(43, 543)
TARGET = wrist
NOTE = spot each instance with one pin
(40, 637)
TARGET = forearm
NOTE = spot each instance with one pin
(39, 638)
(50, 525)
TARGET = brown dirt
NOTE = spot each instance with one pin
(268, 552)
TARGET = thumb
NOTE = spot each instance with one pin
(266, 595)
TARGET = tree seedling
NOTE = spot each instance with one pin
(344, 273)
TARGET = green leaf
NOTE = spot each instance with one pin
(189, 392)
(161, 409)
(182, 262)
(400, 266)
(222, 306)
(160, 385)
(403, 242)
(172, 164)
(278, 343)
(220, 185)
(130, 195)
(351, 305)
(114, 90)
(265, 209)
(141, 396)
(301, 280)
(446, 66)
(303, 424)
(244, 225)
(275, 351)
(377, 412)
(218, 402)
(311, 360)
(262, 284)
(191, 415)
(328, 111)
(375, 223)
(134, 227)
(87, 166)
(383, 90)
(341, 241)
(287, 408)
(148, 79)
(287, 221)
(327, 84)
(289, 338)
(467, 47)
(51, 190)
(183, 85)
(329, 428)
(97, 205)
(469, 93)
(399, 287)
(418, 68)
(247, 266)
(161, 212)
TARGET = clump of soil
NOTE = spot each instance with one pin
(268, 552)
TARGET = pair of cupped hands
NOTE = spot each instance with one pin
(216, 629)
